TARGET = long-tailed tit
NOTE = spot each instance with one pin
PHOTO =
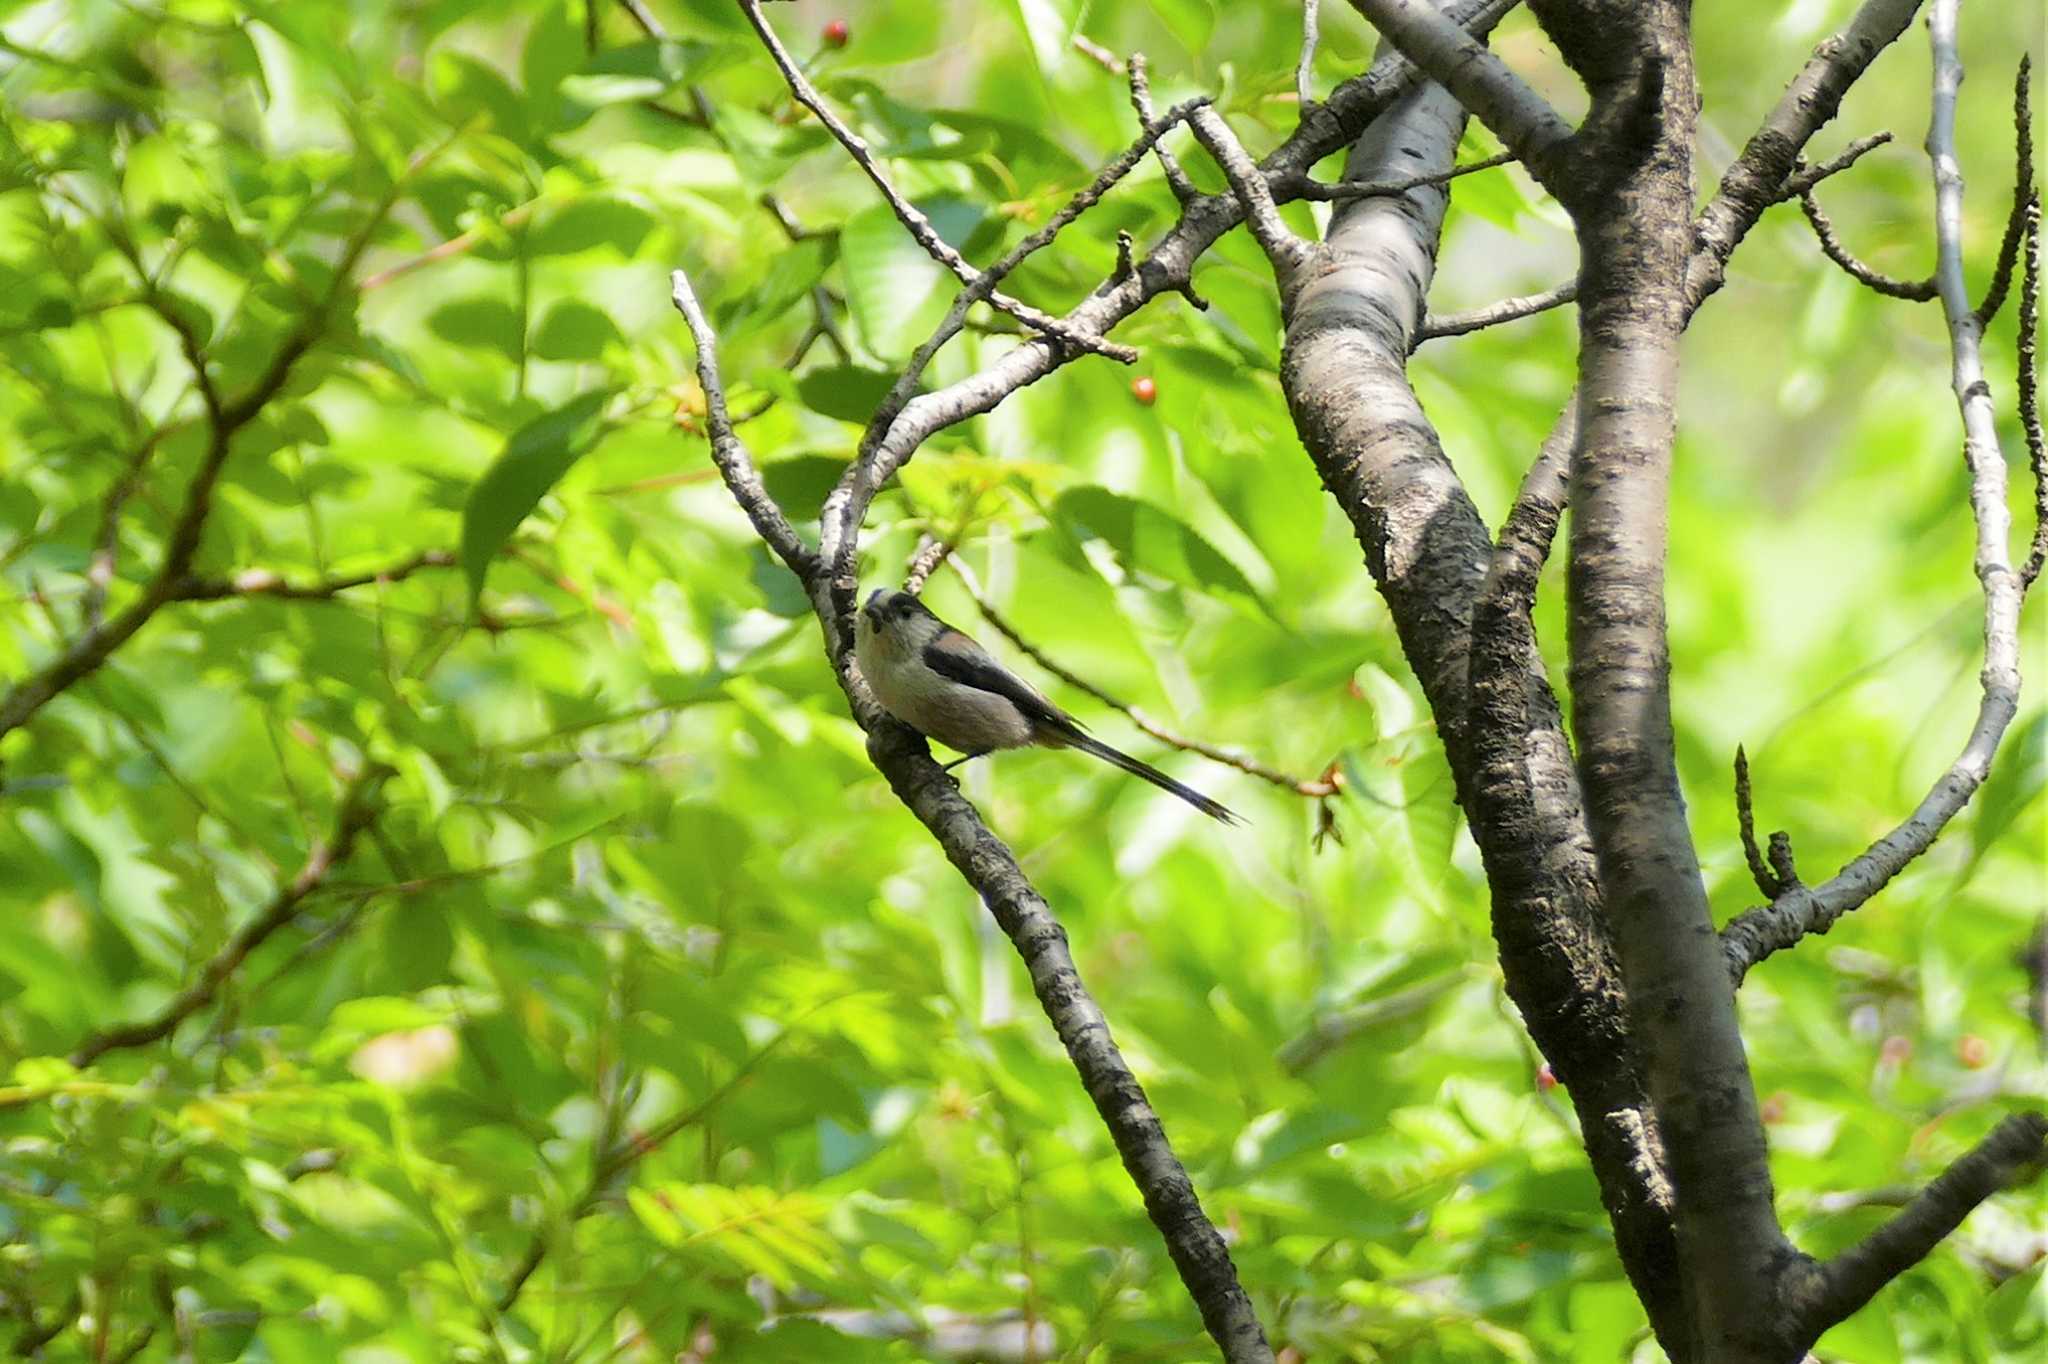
(945, 686)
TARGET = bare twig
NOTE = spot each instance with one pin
(1304, 69)
(1837, 1288)
(1912, 290)
(1141, 100)
(1805, 177)
(907, 213)
(1168, 267)
(516, 216)
(981, 288)
(1757, 178)
(2030, 394)
(1756, 933)
(1493, 314)
(1097, 53)
(2024, 195)
(644, 17)
(1483, 83)
(261, 582)
(1316, 787)
(735, 465)
(1287, 252)
(1307, 187)
(931, 552)
(357, 809)
(1745, 819)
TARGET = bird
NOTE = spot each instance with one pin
(946, 687)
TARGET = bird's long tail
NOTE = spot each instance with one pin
(1151, 774)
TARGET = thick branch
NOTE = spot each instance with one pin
(1757, 933)
(1192, 1240)
(357, 810)
(1635, 242)
(1483, 83)
(1349, 333)
(2014, 1150)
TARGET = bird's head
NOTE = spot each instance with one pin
(897, 618)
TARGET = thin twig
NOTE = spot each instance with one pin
(735, 465)
(1304, 69)
(107, 544)
(1097, 53)
(876, 460)
(262, 582)
(1141, 100)
(1493, 314)
(931, 552)
(1805, 177)
(1745, 819)
(357, 809)
(2030, 393)
(1307, 187)
(1912, 290)
(1314, 788)
(1283, 248)
(907, 213)
(2024, 195)
(1757, 178)
(1756, 933)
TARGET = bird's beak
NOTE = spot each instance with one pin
(872, 608)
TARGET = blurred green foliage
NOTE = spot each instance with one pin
(644, 1023)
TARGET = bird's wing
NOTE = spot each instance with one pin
(957, 658)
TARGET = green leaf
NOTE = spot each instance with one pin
(573, 330)
(536, 456)
(485, 323)
(896, 292)
(1149, 539)
(2018, 775)
(588, 223)
(847, 392)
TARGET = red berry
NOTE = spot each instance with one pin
(1973, 1051)
(836, 33)
(1773, 1109)
(1145, 391)
(1546, 1078)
